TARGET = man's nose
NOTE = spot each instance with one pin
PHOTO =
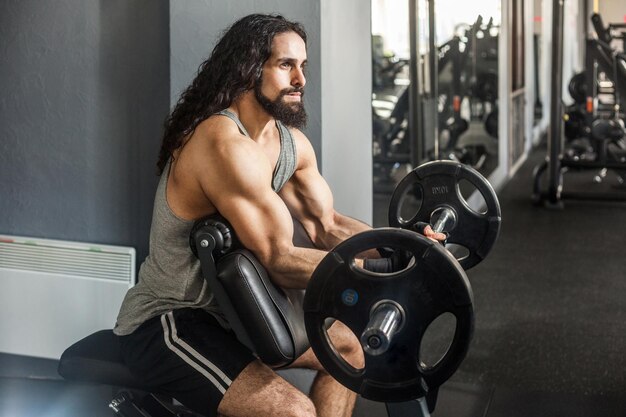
(299, 80)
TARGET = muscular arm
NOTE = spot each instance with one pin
(310, 200)
(239, 185)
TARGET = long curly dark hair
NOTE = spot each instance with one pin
(235, 65)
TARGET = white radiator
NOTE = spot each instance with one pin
(53, 293)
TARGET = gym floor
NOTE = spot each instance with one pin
(550, 330)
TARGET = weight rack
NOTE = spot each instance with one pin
(555, 165)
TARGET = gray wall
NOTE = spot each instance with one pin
(84, 90)
(346, 105)
(196, 25)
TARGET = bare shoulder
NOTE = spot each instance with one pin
(215, 133)
(218, 140)
(305, 151)
(217, 152)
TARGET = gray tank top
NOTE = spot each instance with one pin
(170, 277)
(287, 158)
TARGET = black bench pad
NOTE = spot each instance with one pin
(97, 358)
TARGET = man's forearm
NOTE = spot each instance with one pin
(342, 228)
(294, 268)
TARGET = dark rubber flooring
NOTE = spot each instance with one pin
(550, 300)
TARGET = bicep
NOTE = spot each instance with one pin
(309, 200)
(243, 195)
(308, 196)
(261, 220)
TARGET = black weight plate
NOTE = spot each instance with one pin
(491, 124)
(439, 183)
(575, 124)
(433, 285)
(577, 87)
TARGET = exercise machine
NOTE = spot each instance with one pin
(603, 126)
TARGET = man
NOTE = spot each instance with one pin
(232, 145)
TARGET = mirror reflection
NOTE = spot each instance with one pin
(467, 47)
(390, 92)
(444, 108)
(390, 100)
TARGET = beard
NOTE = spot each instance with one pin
(290, 114)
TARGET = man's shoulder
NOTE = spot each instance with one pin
(218, 144)
(218, 126)
(299, 138)
(304, 148)
(218, 133)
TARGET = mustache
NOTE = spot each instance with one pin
(286, 91)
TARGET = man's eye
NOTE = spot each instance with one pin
(285, 65)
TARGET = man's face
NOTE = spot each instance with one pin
(281, 88)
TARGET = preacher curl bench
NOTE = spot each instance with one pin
(274, 316)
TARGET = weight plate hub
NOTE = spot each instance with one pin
(578, 87)
(438, 182)
(433, 285)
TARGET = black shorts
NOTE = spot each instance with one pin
(187, 355)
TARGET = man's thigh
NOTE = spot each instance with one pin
(186, 354)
